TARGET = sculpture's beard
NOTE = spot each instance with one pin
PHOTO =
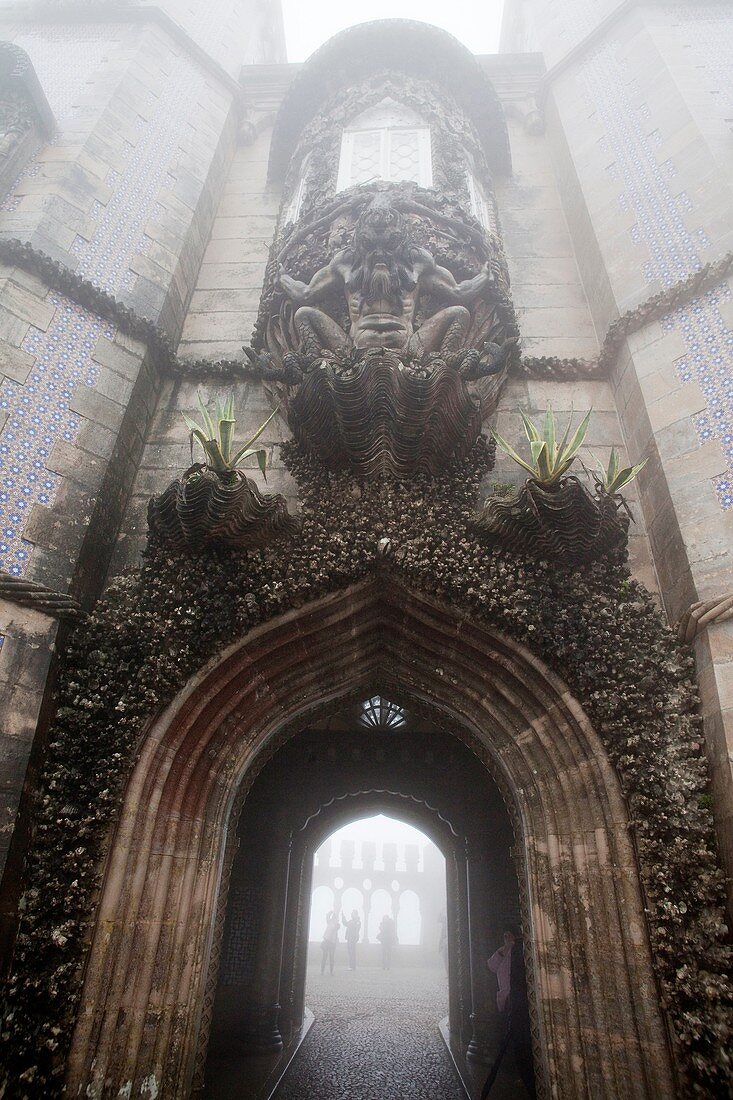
(383, 286)
(382, 280)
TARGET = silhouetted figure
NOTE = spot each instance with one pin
(511, 1000)
(387, 936)
(353, 928)
(330, 939)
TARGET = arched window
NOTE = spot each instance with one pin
(381, 906)
(379, 713)
(409, 919)
(386, 142)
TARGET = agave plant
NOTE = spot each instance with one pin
(216, 437)
(613, 478)
(551, 459)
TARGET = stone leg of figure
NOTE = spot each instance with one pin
(445, 332)
(318, 333)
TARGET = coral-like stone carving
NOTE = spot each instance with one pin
(202, 510)
(564, 524)
(388, 330)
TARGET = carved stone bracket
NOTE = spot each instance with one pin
(387, 326)
(40, 598)
(381, 415)
(702, 614)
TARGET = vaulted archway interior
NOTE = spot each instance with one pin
(376, 756)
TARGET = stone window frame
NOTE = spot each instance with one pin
(411, 123)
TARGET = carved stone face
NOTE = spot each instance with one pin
(380, 229)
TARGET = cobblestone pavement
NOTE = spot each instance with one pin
(375, 1038)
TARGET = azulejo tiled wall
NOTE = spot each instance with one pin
(665, 227)
(38, 410)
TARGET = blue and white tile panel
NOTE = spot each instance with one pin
(39, 411)
(661, 226)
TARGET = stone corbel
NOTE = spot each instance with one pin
(703, 614)
(40, 598)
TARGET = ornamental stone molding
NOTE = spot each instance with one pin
(402, 46)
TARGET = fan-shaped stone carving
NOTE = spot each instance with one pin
(565, 524)
(203, 510)
(379, 415)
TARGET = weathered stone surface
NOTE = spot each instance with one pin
(375, 1036)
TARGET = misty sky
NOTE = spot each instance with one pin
(309, 23)
(379, 829)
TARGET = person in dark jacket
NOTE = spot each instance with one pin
(353, 929)
(387, 936)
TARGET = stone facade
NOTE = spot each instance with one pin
(159, 164)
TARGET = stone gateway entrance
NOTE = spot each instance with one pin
(365, 428)
(154, 963)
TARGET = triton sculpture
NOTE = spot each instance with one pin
(383, 274)
(382, 357)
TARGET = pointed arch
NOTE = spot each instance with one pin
(603, 1032)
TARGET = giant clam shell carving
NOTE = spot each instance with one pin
(382, 416)
(200, 510)
(565, 524)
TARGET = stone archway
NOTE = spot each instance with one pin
(603, 1033)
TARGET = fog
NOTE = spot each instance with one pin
(308, 25)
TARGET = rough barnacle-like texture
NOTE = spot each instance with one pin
(563, 524)
(594, 625)
(379, 416)
(202, 510)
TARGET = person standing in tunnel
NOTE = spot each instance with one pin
(330, 939)
(387, 936)
(507, 963)
(353, 929)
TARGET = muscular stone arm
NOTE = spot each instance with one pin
(323, 281)
(439, 281)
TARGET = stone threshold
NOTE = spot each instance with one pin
(472, 1075)
(272, 1082)
(254, 1077)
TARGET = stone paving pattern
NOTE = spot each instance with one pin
(375, 1037)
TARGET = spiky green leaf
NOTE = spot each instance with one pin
(533, 435)
(208, 422)
(509, 450)
(549, 433)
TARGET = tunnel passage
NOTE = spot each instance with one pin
(322, 778)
